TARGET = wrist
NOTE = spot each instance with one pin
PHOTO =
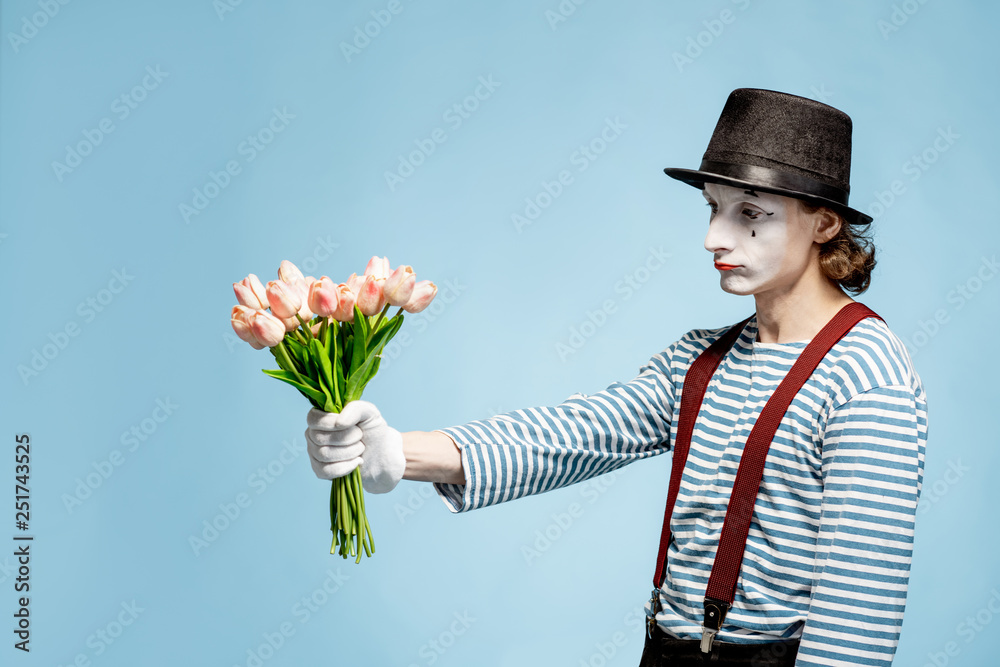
(432, 457)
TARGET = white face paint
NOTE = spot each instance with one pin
(759, 235)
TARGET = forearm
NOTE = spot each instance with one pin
(432, 457)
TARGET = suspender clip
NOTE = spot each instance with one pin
(715, 614)
(654, 602)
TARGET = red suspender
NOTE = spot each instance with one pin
(692, 392)
(732, 543)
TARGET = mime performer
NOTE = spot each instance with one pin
(797, 435)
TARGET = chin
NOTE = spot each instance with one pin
(734, 287)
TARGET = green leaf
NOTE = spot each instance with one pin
(359, 378)
(286, 363)
(325, 333)
(385, 334)
(317, 397)
(304, 327)
(361, 373)
(298, 353)
(338, 372)
(346, 356)
(321, 359)
(358, 351)
(361, 325)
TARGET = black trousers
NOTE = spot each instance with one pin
(665, 651)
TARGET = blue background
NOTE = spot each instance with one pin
(317, 194)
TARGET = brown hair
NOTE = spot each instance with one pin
(849, 257)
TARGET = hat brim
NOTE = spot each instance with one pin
(698, 179)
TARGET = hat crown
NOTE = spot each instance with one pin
(797, 135)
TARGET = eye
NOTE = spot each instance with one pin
(750, 213)
(714, 208)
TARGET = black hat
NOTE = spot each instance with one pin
(780, 143)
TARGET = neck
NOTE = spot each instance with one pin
(798, 312)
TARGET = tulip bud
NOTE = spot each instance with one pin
(355, 282)
(423, 293)
(371, 299)
(240, 319)
(305, 285)
(378, 267)
(267, 328)
(285, 299)
(289, 274)
(399, 286)
(323, 297)
(304, 312)
(250, 293)
(346, 300)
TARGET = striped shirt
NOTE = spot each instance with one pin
(828, 553)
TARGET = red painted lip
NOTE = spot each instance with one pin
(725, 267)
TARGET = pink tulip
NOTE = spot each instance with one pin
(423, 293)
(399, 286)
(305, 285)
(285, 299)
(289, 274)
(355, 282)
(323, 297)
(346, 300)
(251, 293)
(371, 300)
(267, 328)
(378, 267)
(241, 318)
(305, 312)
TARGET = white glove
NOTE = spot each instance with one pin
(339, 442)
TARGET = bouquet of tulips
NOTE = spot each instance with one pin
(327, 341)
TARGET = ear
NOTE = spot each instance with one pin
(827, 225)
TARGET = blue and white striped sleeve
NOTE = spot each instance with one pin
(872, 468)
(535, 450)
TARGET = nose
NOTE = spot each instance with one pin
(719, 239)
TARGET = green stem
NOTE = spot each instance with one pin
(368, 530)
(305, 326)
(328, 338)
(283, 356)
(374, 326)
(359, 517)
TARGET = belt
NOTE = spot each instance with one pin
(662, 650)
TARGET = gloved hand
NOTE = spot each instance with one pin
(339, 442)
